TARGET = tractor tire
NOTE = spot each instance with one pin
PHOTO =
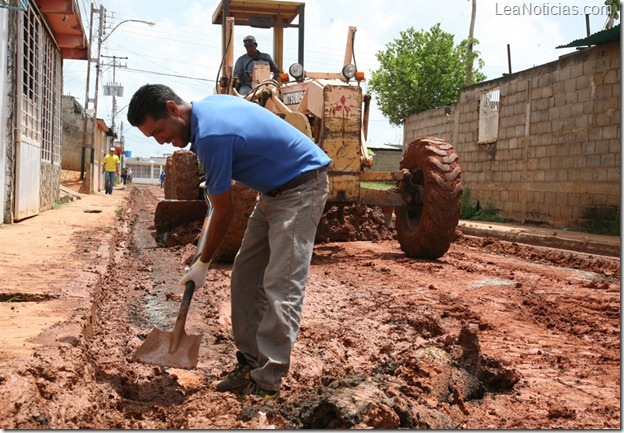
(244, 200)
(431, 189)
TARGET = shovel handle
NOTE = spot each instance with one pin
(178, 329)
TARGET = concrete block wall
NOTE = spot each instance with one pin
(438, 122)
(557, 157)
(73, 134)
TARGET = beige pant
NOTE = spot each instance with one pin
(269, 277)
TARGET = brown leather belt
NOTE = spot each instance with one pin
(299, 180)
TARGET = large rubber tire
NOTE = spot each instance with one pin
(431, 189)
(244, 200)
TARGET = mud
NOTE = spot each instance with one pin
(493, 335)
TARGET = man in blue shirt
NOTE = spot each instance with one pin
(270, 271)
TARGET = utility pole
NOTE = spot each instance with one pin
(89, 144)
(470, 65)
(123, 146)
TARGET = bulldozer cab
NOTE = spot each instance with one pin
(329, 107)
(263, 14)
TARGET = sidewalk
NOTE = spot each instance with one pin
(49, 263)
(544, 237)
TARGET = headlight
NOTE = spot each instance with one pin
(296, 70)
(349, 71)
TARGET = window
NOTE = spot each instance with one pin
(41, 88)
(489, 108)
(31, 78)
(51, 107)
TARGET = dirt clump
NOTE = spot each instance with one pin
(353, 222)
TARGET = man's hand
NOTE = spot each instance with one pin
(196, 273)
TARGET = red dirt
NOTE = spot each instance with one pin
(493, 335)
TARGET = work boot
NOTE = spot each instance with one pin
(254, 389)
(238, 379)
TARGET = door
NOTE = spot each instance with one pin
(27, 179)
(28, 114)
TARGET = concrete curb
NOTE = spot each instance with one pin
(551, 238)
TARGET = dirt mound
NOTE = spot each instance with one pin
(609, 268)
(353, 222)
(423, 389)
(339, 223)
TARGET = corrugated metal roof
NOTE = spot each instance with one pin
(384, 146)
(602, 37)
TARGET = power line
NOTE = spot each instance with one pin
(169, 75)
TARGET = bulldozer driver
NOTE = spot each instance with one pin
(244, 66)
(270, 271)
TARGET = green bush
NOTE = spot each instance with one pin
(467, 209)
(476, 212)
(602, 227)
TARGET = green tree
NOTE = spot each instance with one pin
(420, 71)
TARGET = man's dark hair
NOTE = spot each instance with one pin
(151, 100)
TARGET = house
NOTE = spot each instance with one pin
(85, 163)
(387, 156)
(146, 170)
(541, 146)
(36, 36)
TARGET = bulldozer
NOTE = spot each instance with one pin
(332, 109)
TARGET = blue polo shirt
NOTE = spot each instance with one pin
(237, 139)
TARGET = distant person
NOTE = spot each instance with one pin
(110, 168)
(243, 69)
(162, 178)
(129, 176)
(124, 175)
(270, 271)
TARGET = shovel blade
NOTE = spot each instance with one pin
(157, 350)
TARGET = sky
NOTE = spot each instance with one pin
(183, 48)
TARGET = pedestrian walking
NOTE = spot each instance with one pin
(110, 169)
(124, 175)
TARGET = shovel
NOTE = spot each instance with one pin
(172, 349)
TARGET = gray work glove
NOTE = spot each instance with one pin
(196, 273)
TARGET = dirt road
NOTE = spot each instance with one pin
(493, 335)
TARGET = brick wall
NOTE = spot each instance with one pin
(557, 157)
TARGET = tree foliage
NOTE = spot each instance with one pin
(420, 71)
